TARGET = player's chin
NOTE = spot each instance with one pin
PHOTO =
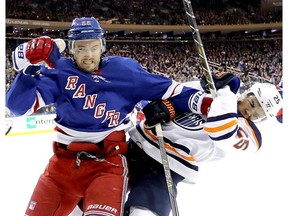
(89, 68)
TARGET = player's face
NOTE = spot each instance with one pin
(250, 108)
(87, 54)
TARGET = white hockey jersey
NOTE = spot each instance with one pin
(191, 138)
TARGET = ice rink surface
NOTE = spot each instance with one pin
(236, 186)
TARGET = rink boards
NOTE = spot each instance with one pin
(30, 124)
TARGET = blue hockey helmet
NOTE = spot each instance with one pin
(85, 28)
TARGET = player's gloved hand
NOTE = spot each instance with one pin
(42, 49)
(19, 59)
(159, 111)
(224, 103)
(222, 79)
(200, 103)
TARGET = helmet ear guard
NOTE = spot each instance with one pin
(103, 45)
(85, 28)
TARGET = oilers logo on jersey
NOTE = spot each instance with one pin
(190, 121)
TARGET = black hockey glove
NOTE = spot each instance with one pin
(159, 111)
(222, 79)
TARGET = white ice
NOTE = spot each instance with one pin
(239, 186)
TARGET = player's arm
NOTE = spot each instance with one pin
(190, 99)
(24, 97)
(226, 130)
(36, 52)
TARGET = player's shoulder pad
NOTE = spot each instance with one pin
(194, 84)
(64, 63)
(117, 59)
(119, 63)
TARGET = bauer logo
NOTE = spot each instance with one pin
(31, 122)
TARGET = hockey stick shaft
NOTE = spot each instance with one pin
(199, 46)
(169, 180)
(8, 131)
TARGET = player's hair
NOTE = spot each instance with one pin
(85, 28)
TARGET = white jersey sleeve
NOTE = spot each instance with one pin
(191, 138)
(186, 144)
(228, 131)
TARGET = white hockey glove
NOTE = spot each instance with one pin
(200, 102)
(35, 53)
(225, 102)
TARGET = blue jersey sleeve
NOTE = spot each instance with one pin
(30, 93)
(149, 86)
(181, 101)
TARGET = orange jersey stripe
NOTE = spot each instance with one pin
(222, 127)
(167, 146)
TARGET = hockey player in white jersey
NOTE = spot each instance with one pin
(214, 128)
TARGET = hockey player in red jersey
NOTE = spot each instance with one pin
(209, 132)
(92, 96)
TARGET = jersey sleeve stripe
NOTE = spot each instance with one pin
(222, 117)
(190, 165)
(225, 136)
(173, 90)
(221, 127)
(168, 146)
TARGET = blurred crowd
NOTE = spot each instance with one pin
(171, 12)
(253, 59)
(179, 61)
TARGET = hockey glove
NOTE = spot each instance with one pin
(19, 59)
(200, 103)
(222, 79)
(42, 49)
(160, 111)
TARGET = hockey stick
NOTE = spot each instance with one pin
(211, 85)
(199, 46)
(8, 130)
(169, 180)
